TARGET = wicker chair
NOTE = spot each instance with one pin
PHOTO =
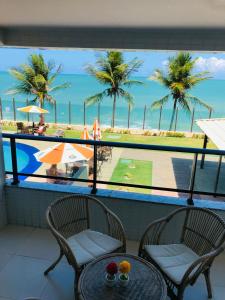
(196, 245)
(71, 219)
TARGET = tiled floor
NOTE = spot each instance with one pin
(25, 253)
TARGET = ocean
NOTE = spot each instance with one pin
(82, 86)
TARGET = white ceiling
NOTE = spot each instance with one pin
(114, 13)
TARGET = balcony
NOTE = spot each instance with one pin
(27, 247)
(25, 252)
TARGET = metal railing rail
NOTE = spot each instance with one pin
(191, 191)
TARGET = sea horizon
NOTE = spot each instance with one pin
(211, 91)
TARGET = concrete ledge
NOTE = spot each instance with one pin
(59, 188)
(27, 202)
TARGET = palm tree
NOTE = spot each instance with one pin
(112, 71)
(36, 78)
(179, 80)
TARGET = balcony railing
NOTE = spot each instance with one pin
(95, 181)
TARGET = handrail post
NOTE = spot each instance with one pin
(94, 189)
(218, 174)
(14, 161)
(192, 181)
(204, 147)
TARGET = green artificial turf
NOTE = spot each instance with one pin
(133, 172)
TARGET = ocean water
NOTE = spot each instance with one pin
(83, 86)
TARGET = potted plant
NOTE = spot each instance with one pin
(124, 268)
(111, 271)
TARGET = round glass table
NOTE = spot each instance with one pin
(146, 282)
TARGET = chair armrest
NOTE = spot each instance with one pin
(200, 265)
(115, 227)
(152, 233)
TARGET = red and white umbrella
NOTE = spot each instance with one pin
(85, 134)
(64, 153)
(96, 130)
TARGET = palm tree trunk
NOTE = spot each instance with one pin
(114, 111)
(42, 119)
(173, 114)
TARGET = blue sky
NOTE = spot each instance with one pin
(74, 61)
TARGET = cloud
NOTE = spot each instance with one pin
(165, 63)
(212, 64)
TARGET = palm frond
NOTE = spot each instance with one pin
(57, 72)
(159, 77)
(60, 87)
(130, 82)
(196, 101)
(184, 104)
(49, 98)
(127, 96)
(104, 77)
(160, 103)
(17, 74)
(96, 98)
(133, 66)
(35, 78)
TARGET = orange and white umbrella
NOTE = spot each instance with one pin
(85, 134)
(33, 109)
(96, 130)
(64, 153)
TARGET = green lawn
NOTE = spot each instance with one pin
(131, 138)
(132, 171)
(157, 140)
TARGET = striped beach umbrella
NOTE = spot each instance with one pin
(64, 153)
(96, 130)
(85, 134)
(33, 109)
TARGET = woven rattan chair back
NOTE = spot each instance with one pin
(69, 215)
(203, 231)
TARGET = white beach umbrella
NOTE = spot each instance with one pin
(33, 109)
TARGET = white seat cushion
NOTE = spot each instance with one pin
(173, 259)
(89, 244)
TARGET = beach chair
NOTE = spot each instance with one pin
(21, 128)
(59, 133)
